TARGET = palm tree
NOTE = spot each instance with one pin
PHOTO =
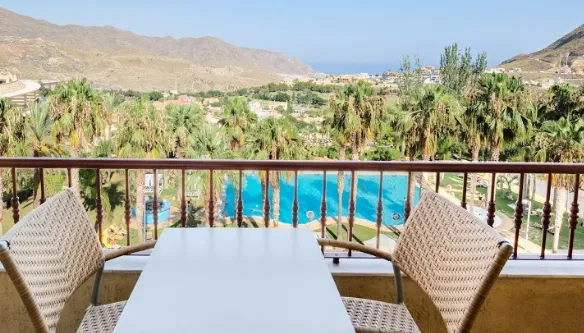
(356, 117)
(78, 112)
(209, 144)
(236, 121)
(429, 115)
(561, 141)
(504, 120)
(273, 139)
(40, 140)
(10, 126)
(140, 135)
(473, 133)
(183, 122)
(111, 101)
(499, 102)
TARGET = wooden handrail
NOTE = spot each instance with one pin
(280, 165)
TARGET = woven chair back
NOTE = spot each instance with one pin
(49, 253)
(453, 256)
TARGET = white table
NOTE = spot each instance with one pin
(235, 281)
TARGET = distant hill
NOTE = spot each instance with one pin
(38, 49)
(567, 51)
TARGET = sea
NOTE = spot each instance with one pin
(339, 68)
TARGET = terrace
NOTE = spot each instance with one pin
(538, 290)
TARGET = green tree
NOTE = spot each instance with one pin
(356, 113)
(431, 113)
(410, 79)
(236, 122)
(561, 141)
(209, 144)
(40, 140)
(111, 101)
(140, 135)
(457, 69)
(504, 119)
(182, 122)
(78, 112)
(10, 126)
(274, 139)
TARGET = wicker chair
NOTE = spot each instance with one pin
(453, 256)
(49, 254)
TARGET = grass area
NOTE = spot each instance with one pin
(502, 203)
(361, 232)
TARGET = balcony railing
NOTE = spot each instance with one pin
(325, 167)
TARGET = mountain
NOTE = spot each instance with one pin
(38, 49)
(566, 51)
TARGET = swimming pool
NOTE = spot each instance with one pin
(309, 197)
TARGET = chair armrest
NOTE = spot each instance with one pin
(128, 250)
(355, 247)
(374, 252)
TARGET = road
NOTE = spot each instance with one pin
(29, 87)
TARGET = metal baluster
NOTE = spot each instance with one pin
(211, 199)
(69, 179)
(15, 203)
(379, 208)
(464, 185)
(518, 214)
(352, 206)
(42, 183)
(323, 207)
(98, 204)
(437, 189)
(545, 219)
(155, 204)
(183, 200)
(267, 201)
(408, 205)
(491, 208)
(295, 204)
(240, 201)
(127, 207)
(574, 215)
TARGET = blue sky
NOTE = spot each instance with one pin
(367, 31)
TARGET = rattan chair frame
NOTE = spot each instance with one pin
(495, 263)
(40, 224)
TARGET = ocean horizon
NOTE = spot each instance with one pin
(339, 68)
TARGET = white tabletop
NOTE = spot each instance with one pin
(235, 281)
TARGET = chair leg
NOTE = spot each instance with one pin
(399, 291)
(96, 285)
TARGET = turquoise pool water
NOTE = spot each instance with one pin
(309, 197)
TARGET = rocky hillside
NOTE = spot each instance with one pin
(38, 49)
(567, 51)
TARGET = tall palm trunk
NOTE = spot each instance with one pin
(533, 187)
(1, 204)
(207, 205)
(276, 196)
(354, 157)
(495, 153)
(36, 199)
(340, 190)
(264, 192)
(559, 210)
(75, 172)
(473, 179)
(140, 205)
